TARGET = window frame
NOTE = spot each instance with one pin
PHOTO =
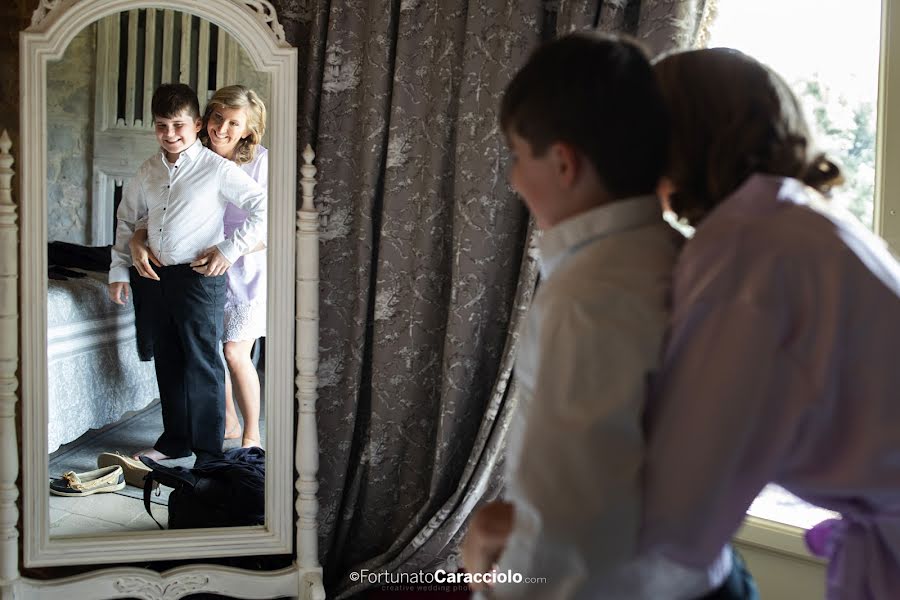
(887, 136)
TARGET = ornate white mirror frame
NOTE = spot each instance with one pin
(254, 24)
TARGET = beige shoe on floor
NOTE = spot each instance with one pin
(134, 470)
(107, 479)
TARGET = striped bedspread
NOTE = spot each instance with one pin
(94, 374)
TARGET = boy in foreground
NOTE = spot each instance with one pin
(587, 128)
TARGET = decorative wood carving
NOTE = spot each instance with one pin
(45, 7)
(266, 13)
(130, 582)
(142, 587)
(262, 9)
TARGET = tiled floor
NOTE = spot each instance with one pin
(113, 512)
(101, 513)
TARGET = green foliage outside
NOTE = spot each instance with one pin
(845, 131)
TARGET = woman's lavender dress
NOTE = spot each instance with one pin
(245, 296)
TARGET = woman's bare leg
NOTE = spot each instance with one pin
(232, 424)
(245, 387)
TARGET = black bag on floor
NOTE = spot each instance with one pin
(224, 492)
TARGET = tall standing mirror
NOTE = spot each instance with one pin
(89, 69)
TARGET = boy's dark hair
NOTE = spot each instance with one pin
(733, 116)
(171, 99)
(599, 94)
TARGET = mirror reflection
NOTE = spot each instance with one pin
(156, 307)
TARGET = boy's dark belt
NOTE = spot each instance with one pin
(176, 271)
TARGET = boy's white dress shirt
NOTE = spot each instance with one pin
(593, 337)
(182, 207)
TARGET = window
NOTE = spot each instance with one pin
(827, 51)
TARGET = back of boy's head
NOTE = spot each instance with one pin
(172, 99)
(599, 94)
(731, 117)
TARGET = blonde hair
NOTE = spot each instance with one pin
(239, 96)
(731, 117)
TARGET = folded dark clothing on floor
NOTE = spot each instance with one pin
(224, 491)
(90, 258)
(241, 475)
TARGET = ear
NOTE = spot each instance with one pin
(198, 125)
(566, 162)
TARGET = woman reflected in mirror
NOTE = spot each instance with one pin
(233, 125)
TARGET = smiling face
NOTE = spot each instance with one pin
(226, 127)
(175, 134)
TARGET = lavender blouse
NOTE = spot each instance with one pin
(782, 366)
(245, 296)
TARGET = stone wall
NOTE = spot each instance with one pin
(70, 132)
(257, 81)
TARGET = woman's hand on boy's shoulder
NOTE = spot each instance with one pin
(211, 263)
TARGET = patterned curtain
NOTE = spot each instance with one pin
(426, 266)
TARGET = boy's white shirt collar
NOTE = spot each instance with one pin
(192, 151)
(567, 237)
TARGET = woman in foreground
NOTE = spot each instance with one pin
(781, 364)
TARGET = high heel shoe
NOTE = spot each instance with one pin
(134, 470)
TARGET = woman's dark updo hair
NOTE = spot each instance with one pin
(732, 116)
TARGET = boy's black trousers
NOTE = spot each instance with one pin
(189, 370)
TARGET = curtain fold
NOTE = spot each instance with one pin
(421, 261)
(666, 25)
(427, 260)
